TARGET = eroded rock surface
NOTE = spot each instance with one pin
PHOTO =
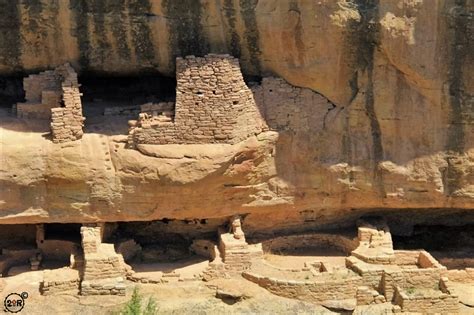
(370, 110)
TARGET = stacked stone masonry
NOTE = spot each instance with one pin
(290, 108)
(340, 243)
(375, 274)
(67, 121)
(427, 300)
(42, 93)
(213, 105)
(233, 255)
(312, 291)
(60, 281)
(55, 95)
(104, 269)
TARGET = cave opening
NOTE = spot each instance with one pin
(63, 231)
(13, 236)
(102, 93)
(167, 240)
(452, 246)
(11, 91)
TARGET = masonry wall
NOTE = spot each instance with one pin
(67, 121)
(35, 84)
(42, 93)
(213, 105)
(104, 269)
(338, 242)
(311, 291)
(444, 303)
(287, 107)
(60, 281)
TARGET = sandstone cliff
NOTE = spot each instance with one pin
(398, 133)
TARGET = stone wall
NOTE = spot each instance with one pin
(131, 110)
(287, 107)
(406, 257)
(42, 93)
(235, 253)
(64, 280)
(104, 269)
(375, 243)
(204, 248)
(316, 240)
(436, 300)
(213, 105)
(67, 121)
(311, 291)
(103, 287)
(371, 274)
(366, 295)
(100, 260)
(54, 95)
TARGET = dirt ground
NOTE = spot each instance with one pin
(175, 298)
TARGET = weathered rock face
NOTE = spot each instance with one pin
(395, 133)
(317, 44)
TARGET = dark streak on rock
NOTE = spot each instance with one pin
(462, 104)
(364, 37)
(119, 31)
(10, 43)
(456, 137)
(35, 26)
(229, 11)
(33, 10)
(186, 31)
(56, 29)
(139, 14)
(80, 12)
(102, 47)
(251, 33)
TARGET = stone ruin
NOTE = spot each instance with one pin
(413, 281)
(54, 95)
(213, 105)
(373, 272)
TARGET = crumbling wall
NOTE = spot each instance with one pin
(67, 121)
(64, 280)
(439, 300)
(55, 95)
(287, 107)
(213, 105)
(42, 93)
(319, 240)
(311, 291)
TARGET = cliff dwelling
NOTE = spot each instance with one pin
(236, 157)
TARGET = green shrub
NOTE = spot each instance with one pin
(135, 305)
(411, 290)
